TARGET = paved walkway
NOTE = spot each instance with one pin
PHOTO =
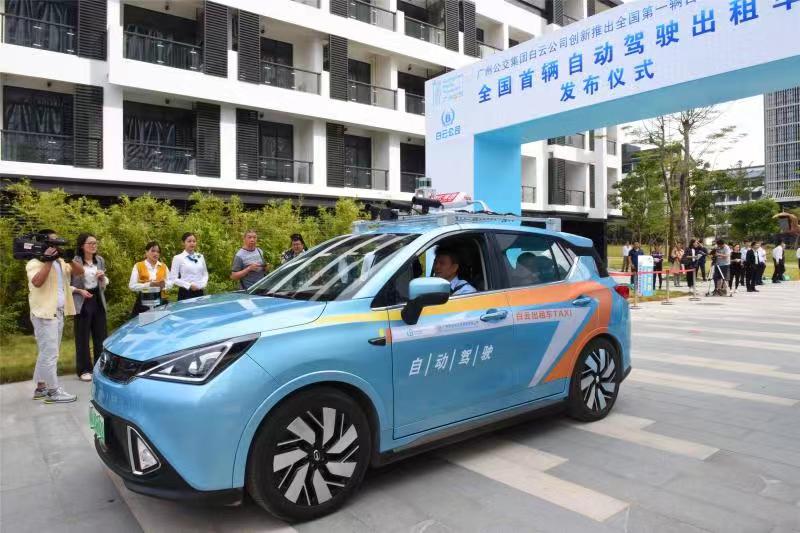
(704, 437)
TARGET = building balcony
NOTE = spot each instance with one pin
(165, 52)
(312, 3)
(366, 178)
(284, 170)
(159, 158)
(37, 147)
(365, 93)
(415, 104)
(528, 194)
(424, 31)
(486, 50)
(366, 12)
(568, 197)
(34, 33)
(287, 77)
(408, 181)
(577, 140)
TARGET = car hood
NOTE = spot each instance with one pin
(205, 320)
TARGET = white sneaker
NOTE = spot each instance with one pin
(59, 395)
(86, 376)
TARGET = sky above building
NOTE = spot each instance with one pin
(747, 116)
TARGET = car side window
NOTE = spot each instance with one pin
(531, 259)
(471, 249)
(563, 264)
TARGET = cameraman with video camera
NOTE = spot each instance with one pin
(50, 300)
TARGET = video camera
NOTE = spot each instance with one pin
(33, 246)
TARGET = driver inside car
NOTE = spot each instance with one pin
(446, 266)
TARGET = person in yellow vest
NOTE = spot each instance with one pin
(148, 274)
(50, 300)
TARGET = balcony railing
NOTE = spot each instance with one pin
(174, 54)
(312, 3)
(486, 50)
(159, 158)
(364, 93)
(365, 178)
(287, 77)
(422, 30)
(611, 147)
(366, 12)
(408, 181)
(415, 104)
(577, 140)
(286, 170)
(36, 33)
(577, 198)
(37, 147)
(528, 194)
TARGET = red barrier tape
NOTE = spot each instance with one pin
(644, 272)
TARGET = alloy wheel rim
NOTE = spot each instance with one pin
(315, 457)
(598, 380)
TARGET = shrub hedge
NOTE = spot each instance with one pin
(125, 227)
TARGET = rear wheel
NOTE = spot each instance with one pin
(595, 381)
(310, 455)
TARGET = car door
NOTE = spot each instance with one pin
(552, 308)
(454, 363)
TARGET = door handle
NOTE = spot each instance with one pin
(493, 315)
(378, 341)
(582, 301)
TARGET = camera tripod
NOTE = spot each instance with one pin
(724, 289)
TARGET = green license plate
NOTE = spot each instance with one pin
(97, 424)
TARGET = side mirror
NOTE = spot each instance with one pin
(422, 293)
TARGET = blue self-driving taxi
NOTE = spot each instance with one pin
(400, 336)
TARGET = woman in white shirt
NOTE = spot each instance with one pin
(189, 272)
(88, 293)
(147, 274)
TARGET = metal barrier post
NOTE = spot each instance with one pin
(694, 297)
(667, 301)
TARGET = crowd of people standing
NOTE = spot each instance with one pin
(60, 287)
(733, 265)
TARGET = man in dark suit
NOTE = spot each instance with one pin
(751, 267)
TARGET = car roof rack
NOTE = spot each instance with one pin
(415, 222)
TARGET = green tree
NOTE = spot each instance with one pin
(679, 148)
(753, 220)
(643, 202)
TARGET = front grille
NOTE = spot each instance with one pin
(118, 368)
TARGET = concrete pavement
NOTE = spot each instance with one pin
(704, 437)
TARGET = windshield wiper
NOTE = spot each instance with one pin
(285, 295)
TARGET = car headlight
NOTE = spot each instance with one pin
(200, 364)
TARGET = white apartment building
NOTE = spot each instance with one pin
(311, 99)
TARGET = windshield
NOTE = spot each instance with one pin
(334, 270)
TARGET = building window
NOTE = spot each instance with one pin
(37, 126)
(158, 138)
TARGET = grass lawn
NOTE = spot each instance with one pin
(18, 357)
(790, 260)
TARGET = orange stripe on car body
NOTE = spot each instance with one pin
(597, 326)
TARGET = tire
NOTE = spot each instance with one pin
(310, 455)
(595, 381)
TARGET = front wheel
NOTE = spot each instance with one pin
(310, 455)
(595, 381)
